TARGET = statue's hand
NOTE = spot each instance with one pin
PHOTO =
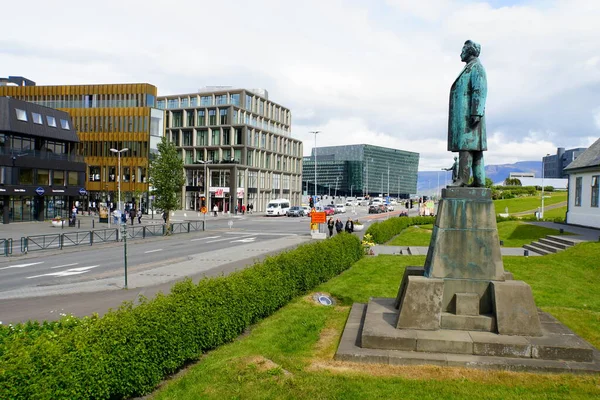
(475, 119)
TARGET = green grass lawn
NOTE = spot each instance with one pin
(514, 234)
(521, 204)
(290, 354)
(560, 212)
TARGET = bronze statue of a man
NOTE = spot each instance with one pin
(466, 118)
(454, 169)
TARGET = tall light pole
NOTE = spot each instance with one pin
(206, 192)
(336, 184)
(315, 132)
(388, 192)
(119, 207)
(119, 181)
(542, 211)
(351, 187)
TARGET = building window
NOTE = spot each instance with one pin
(25, 176)
(160, 104)
(94, 175)
(64, 124)
(238, 136)
(248, 102)
(194, 101)
(58, 178)
(206, 101)
(226, 137)
(190, 118)
(595, 188)
(73, 181)
(187, 138)
(201, 118)
(177, 119)
(21, 114)
(175, 138)
(235, 99)
(221, 99)
(51, 121)
(216, 134)
(237, 156)
(202, 138)
(223, 117)
(578, 185)
(172, 103)
(43, 177)
(37, 118)
(212, 117)
(185, 103)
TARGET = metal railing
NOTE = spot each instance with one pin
(76, 238)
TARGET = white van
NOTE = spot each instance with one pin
(278, 207)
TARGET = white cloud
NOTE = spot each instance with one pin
(362, 72)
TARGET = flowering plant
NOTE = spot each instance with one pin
(367, 242)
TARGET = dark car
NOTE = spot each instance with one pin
(374, 209)
(295, 211)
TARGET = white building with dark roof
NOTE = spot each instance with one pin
(584, 188)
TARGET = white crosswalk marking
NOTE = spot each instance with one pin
(152, 251)
(204, 238)
(22, 265)
(65, 265)
(220, 240)
(247, 240)
(68, 272)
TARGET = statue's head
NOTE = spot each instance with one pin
(455, 158)
(469, 50)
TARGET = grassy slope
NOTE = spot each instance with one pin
(289, 355)
(521, 204)
(513, 233)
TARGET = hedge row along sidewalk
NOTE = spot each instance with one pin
(384, 231)
(128, 351)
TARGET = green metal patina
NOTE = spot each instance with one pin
(466, 117)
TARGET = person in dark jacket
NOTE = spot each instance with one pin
(339, 225)
(330, 225)
(349, 226)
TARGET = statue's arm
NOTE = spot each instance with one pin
(478, 91)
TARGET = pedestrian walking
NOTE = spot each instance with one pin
(339, 226)
(132, 216)
(164, 216)
(349, 226)
(330, 226)
(215, 209)
(139, 216)
(243, 209)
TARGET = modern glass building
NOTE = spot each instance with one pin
(241, 140)
(360, 170)
(112, 116)
(41, 176)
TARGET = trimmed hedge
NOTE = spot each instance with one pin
(385, 230)
(128, 351)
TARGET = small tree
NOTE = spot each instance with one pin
(166, 179)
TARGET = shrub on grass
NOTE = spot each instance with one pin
(383, 231)
(129, 350)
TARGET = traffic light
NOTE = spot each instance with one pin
(411, 203)
(203, 201)
(311, 202)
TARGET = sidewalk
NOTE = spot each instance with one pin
(422, 250)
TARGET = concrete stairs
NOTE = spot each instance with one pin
(551, 244)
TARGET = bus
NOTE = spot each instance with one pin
(278, 207)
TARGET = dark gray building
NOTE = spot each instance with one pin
(41, 176)
(359, 170)
(554, 165)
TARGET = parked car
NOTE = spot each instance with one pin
(295, 211)
(339, 208)
(390, 206)
(306, 210)
(329, 210)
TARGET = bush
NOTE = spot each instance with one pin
(128, 351)
(382, 232)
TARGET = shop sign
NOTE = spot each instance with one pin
(82, 192)
(40, 191)
(58, 191)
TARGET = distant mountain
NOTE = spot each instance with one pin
(427, 181)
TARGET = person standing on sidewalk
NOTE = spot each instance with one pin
(339, 226)
(330, 225)
(216, 209)
(139, 216)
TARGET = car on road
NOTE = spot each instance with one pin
(306, 210)
(295, 211)
(329, 210)
(339, 208)
(390, 206)
(374, 209)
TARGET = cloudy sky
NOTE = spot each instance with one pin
(376, 71)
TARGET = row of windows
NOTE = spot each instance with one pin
(33, 176)
(111, 124)
(39, 120)
(111, 174)
(102, 149)
(213, 117)
(227, 137)
(16, 143)
(93, 100)
(252, 104)
(595, 191)
(262, 180)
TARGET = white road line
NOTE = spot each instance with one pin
(204, 238)
(221, 240)
(22, 265)
(62, 266)
(68, 272)
(247, 240)
(262, 233)
(152, 251)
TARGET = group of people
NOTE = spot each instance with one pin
(129, 214)
(339, 225)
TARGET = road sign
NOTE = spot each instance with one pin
(203, 210)
(318, 217)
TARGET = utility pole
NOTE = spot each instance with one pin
(388, 192)
(315, 133)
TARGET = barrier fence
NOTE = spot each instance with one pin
(76, 238)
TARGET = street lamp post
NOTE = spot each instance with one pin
(119, 208)
(206, 192)
(315, 132)
(542, 210)
(336, 184)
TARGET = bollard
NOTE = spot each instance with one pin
(502, 243)
(62, 224)
(91, 237)
(561, 230)
(143, 232)
(93, 224)
(78, 223)
(526, 253)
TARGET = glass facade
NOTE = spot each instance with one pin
(359, 170)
